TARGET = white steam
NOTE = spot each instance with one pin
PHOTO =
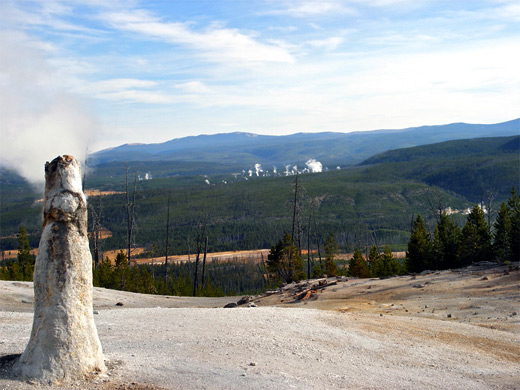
(258, 169)
(39, 119)
(314, 166)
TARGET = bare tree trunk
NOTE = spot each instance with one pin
(96, 230)
(130, 209)
(309, 246)
(204, 263)
(490, 197)
(196, 278)
(265, 267)
(317, 241)
(167, 238)
(263, 275)
(295, 205)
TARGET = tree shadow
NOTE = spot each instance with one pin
(6, 364)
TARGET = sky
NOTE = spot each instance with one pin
(78, 76)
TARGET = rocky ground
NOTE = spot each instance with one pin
(452, 329)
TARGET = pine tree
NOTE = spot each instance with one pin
(476, 239)
(514, 234)
(121, 274)
(420, 249)
(501, 242)
(331, 249)
(284, 260)
(358, 266)
(446, 243)
(390, 266)
(25, 258)
(374, 262)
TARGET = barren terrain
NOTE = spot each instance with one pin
(451, 329)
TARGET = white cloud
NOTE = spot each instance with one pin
(214, 43)
(137, 96)
(331, 43)
(303, 9)
(120, 84)
(193, 87)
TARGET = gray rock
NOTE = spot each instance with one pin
(244, 300)
(230, 305)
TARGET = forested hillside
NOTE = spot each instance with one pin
(370, 204)
(466, 167)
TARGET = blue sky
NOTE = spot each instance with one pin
(102, 73)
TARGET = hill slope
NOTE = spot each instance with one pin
(329, 148)
(466, 167)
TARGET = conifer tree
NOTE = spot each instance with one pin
(514, 234)
(501, 245)
(121, 274)
(390, 266)
(419, 253)
(374, 262)
(358, 266)
(446, 242)
(476, 239)
(331, 249)
(284, 260)
(25, 258)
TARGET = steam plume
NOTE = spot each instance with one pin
(314, 165)
(39, 119)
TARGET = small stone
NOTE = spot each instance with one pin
(449, 315)
(252, 364)
(96, 312)
(252, 304)
(230, 305)
(244, 374)
(244, 300)
(484, 278)
(380, 315)
(426, 306)
(513, 314)
(119, 304)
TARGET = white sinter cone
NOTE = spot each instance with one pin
(64, 343)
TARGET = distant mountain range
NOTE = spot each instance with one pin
(327, 147)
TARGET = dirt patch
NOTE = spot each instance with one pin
(450, 329)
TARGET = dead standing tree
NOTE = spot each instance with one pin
(203, 283)
(96, 230)
(201, 232)
(130, 214)
(167, 238)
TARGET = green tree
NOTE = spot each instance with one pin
(419, 253)
(103, 274)
(331, 249)
(446, 243)
(501, 243)
(358, 266)
(121, 275)
(285, 261)
(514, 234)
(374, 262)
(25, 258)
(476, 239)
(389, 265)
